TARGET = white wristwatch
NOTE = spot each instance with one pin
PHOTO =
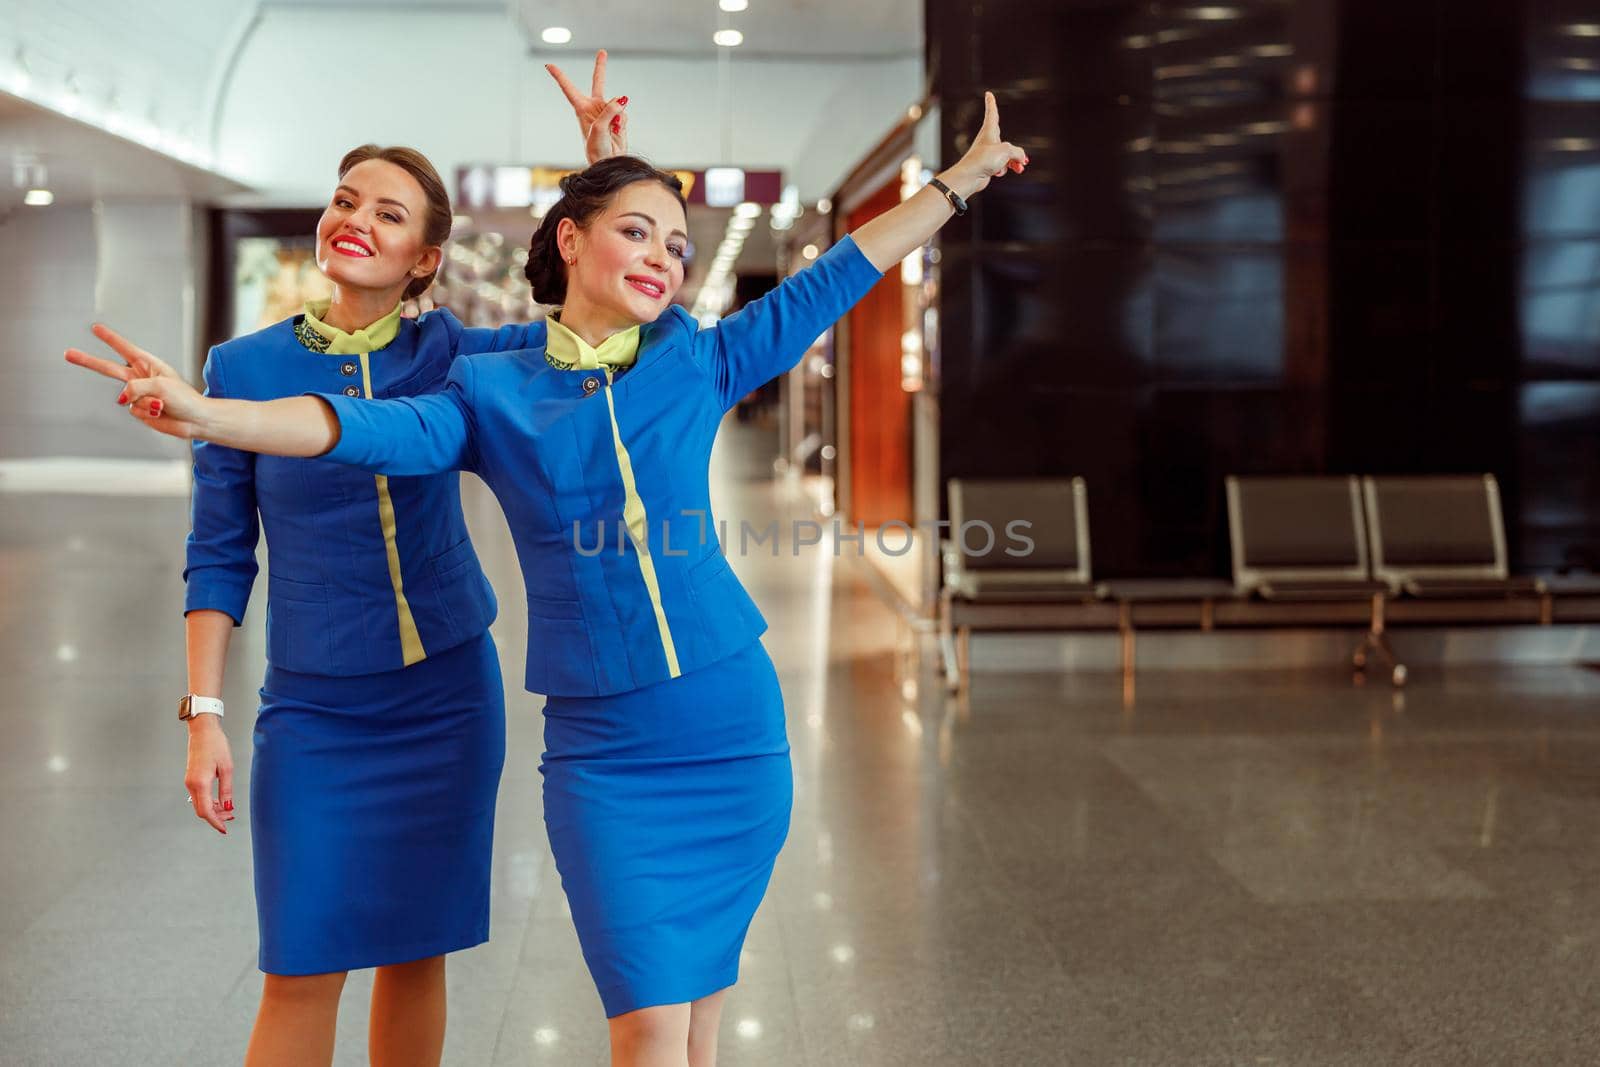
(191, 705)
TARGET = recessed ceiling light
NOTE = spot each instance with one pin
(556, 35)
(734, 5)
(39, 198)
(728, 38)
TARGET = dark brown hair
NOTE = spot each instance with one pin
(584, 195)
(436, 218)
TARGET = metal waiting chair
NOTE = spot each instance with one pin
(987, 565)
(1302, 543)
(1441, 537)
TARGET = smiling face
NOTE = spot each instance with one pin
(627, 264)
(371, 234)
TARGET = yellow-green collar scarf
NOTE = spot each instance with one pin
(374, 337)
(567, 351)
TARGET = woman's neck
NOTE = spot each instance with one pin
(591, 323)
(356, 309)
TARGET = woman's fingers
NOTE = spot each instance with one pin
(619, 133)
(205, 807)
(225, 791)
(570, 91)
(597, 87)
(990, 130)
(124, 347)
(608, 134)
(610, 119)
(138, 389)
(120, 371)
(1010, 157)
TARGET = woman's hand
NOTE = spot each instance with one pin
(987, 158)
(210, 764)
(603, 123)
(156, 394)
(893, 235)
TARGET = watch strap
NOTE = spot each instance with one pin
(192, 705)
(951, 195)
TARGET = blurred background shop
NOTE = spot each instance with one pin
(1289, 336)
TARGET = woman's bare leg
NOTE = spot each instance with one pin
(705, 1018)
(651, 1037)
(408, 1014)
(295, 1023)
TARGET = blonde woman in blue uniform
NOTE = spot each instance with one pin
(666, 772)
(380, 737)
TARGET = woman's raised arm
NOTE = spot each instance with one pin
(893, 235)
(768, 336)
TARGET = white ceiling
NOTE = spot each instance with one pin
(242, 82)
(823, 29)
(83, 163)
(812, 28)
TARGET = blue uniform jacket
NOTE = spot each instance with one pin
(337, 601)
(570, 455)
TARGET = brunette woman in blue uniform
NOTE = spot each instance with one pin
(380, 736)
(666, 771)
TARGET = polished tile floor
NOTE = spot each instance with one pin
(1246, 869)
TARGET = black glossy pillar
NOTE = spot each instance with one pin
(1296, 236)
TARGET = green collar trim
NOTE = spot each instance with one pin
(565, 350)
(338, 343)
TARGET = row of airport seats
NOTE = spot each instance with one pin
(1307, 552)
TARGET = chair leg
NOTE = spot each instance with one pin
(964, 655)
(1376, 645)
(1129, 644)
(947, 644)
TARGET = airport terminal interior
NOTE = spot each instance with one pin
(1279, 744)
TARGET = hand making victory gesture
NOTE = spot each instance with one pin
(159, 395)
(603, 123)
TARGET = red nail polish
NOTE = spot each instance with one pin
(122, 398)
(227, 805)
(622, 100)
(616, 124)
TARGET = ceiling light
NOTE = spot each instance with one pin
(809, 251)
(724, 186)
(734, 5)
(39, 198)
(728, 38)
(747, 210)
(556, 35)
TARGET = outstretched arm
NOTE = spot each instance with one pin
(894, 234)
(408, 435)
(159, 397)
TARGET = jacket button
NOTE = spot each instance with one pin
(348, 369)
(351, 390)
(590, 385)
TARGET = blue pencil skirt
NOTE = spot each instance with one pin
(372, 811)
(666, 808)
